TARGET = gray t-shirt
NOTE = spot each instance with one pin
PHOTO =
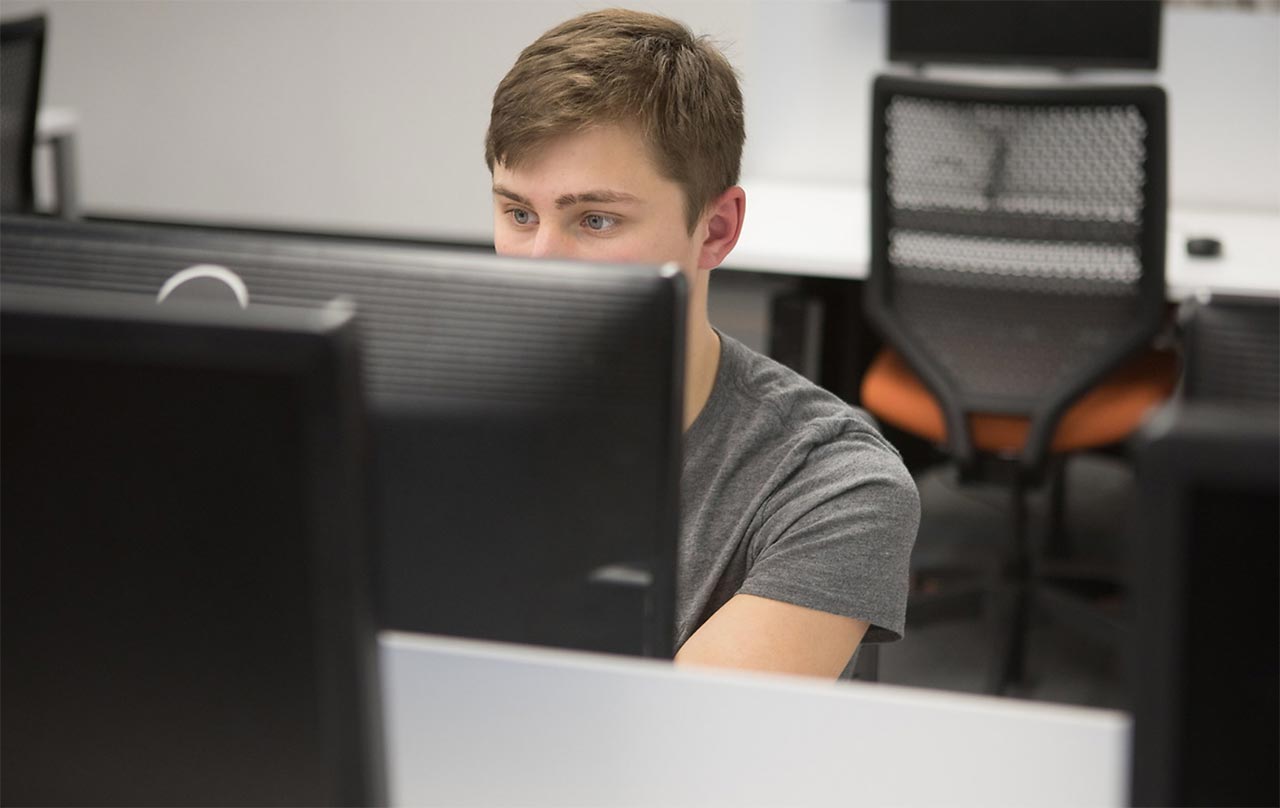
(791, 494)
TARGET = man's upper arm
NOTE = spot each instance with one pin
(834, 556)
(761, 634)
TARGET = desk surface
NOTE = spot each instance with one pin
(471, 723)
(823, 231)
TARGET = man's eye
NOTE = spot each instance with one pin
(599, 222)
(521, 216)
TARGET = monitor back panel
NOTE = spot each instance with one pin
(525, 417)
(1207, 715)
(186, 615)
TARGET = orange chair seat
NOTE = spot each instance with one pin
(1107, 413)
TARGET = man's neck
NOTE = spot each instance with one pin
(702, 362)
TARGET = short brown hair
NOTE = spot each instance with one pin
(619, 66)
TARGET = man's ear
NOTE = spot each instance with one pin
(723, 226)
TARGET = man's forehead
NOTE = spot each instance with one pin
(602, 160)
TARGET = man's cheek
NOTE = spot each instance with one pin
(635, 249)
(504, 243)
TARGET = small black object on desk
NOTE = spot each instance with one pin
(1203, 247)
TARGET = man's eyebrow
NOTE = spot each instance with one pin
(599, 197)
(498, 190)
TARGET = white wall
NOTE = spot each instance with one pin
(371, 115)
(1222, 72)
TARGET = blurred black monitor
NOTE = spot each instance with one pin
(525, 416)
(185, 600)
(1231, 350)
(1206, 660)
(1054, 33)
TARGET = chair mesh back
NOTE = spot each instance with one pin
(1014, 243)
(21, 52)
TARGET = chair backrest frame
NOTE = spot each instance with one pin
(29, 31)
(1150, 103)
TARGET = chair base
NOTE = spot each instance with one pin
(1012, 610)
(1083, 596)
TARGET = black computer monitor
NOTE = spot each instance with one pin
(1054, 33)
(525, 416)
(185, 597)
(1206, 661)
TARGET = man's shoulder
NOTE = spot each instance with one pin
(764, 388)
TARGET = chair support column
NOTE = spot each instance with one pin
(1058, 545)
(1011, 629)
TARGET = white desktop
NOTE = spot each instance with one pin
(484, 724)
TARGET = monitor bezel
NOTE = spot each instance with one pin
(316, 350)
(896, 53)
(1183, 448)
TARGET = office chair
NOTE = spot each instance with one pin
(1017, 279)
(21, 60)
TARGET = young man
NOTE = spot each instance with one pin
(617, 136)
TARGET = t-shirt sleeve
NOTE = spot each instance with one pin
(836, 533)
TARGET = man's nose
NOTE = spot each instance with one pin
(550, 242)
